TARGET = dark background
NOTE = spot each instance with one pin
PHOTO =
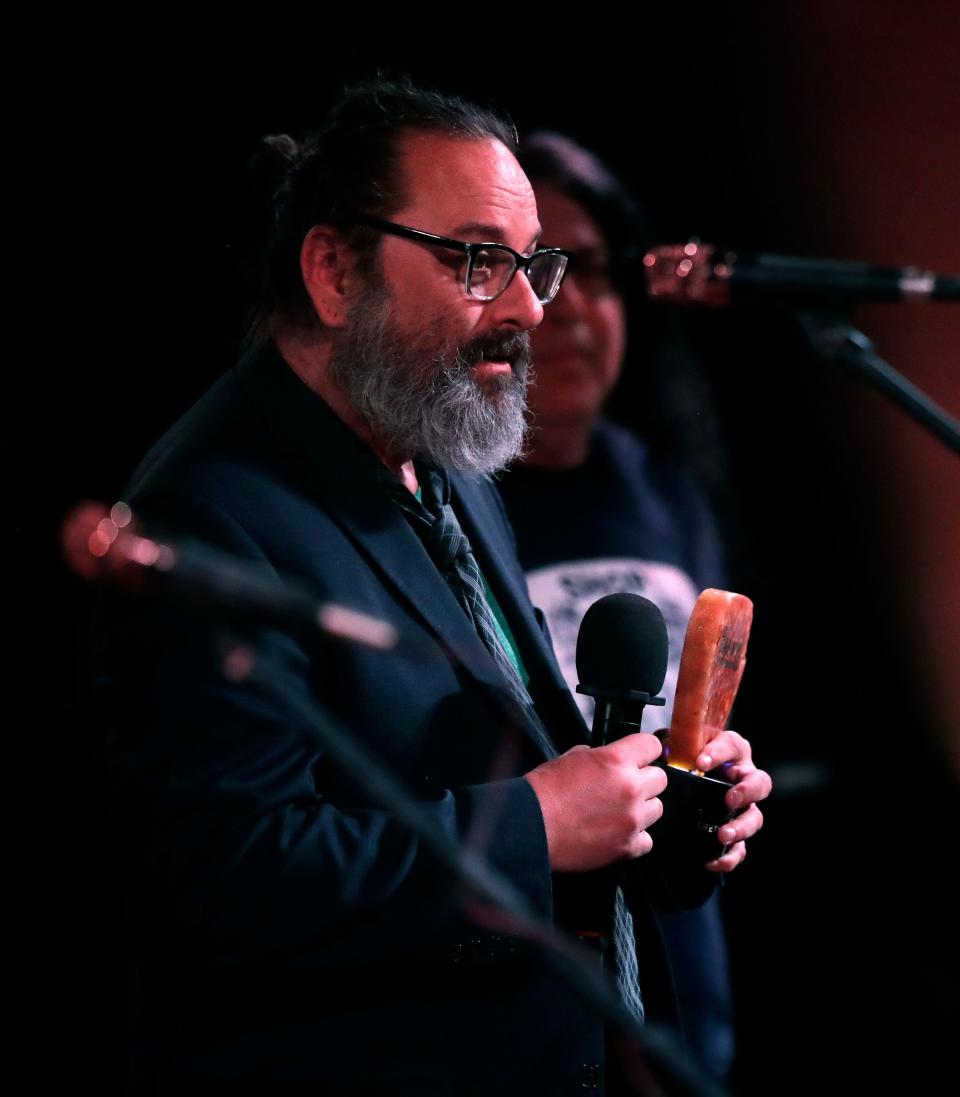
(832, 129)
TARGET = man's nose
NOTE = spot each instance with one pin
(518, 306)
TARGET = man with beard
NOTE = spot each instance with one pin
(293, 935)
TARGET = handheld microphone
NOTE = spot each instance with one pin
(621, 662)
(703, 274)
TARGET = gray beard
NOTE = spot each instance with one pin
(433, 409)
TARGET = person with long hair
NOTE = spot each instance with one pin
(599, 509)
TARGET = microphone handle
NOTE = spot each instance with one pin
(613, 719)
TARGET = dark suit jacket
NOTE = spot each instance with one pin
(290, 932)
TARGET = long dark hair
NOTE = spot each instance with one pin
(662, 393)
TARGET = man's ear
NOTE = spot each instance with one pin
(326, 264)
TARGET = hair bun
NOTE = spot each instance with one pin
(271, 165)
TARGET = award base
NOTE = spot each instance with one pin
(693, 812)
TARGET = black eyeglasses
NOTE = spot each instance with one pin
(490, 268)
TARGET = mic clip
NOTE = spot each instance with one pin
(621, 695)
(618, 712)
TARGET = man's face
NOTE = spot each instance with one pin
(433, 371)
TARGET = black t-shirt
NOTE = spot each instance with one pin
(619, 522)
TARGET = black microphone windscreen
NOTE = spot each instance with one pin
(622, 645)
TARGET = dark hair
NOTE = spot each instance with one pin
(558, 161)
(345, 168)
(662, 392)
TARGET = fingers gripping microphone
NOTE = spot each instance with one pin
(621, 662)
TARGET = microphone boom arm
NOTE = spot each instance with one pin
(836, 340)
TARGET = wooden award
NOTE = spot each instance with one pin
(711, 666)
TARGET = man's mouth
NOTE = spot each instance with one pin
(496, 355)
(492, 369)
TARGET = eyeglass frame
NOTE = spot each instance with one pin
(520, 261)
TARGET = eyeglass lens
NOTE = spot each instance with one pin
(492, 269)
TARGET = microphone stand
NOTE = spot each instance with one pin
(836, 340)
(248, 598)
(494, 901)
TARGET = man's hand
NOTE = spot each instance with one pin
(732, 751)
(598, 802)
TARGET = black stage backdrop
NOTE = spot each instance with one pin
(833, 133)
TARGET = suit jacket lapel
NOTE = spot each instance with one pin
(340, 471)
(482, 517)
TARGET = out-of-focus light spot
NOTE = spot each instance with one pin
(649, 260)
(81, 547)
(166, 557)
(691, 248)
(684, 267)
(237, 663)
(106, 527)
(121, 514)
(357, 627)
(98, 544)
(144, 552)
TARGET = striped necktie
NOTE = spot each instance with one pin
(435, 522)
